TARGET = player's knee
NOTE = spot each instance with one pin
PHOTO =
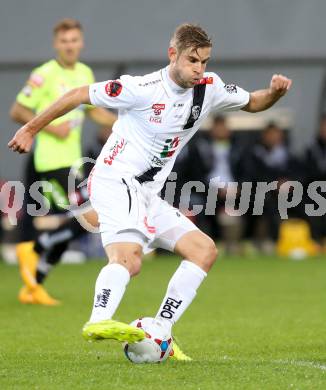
(135, 265)
(131, 263)
(129, 257)
(209, 254)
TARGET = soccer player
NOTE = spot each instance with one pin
(158, 114)
(58, 146)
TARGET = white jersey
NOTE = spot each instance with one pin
(156, 119)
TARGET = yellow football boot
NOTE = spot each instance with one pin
(178, 354)
(41, 296)
(25, 295)
(27, 260)
(110, 329)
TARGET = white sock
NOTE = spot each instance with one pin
(109, 289)
(180, 293)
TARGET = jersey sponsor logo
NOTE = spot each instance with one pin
(117, 148)
(148, 83)
(157, 161)
(113, 88)
(158, 107)
(155, 119)
(170, 147)
(89, 182)
(206, 80)
(230, 88)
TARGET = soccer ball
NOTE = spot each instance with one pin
(156, 346)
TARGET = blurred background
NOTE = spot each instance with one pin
(253, 39)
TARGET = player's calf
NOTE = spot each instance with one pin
(111, 283)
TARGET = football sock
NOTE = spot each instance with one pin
(48, 260)
(180, 293)
(65, 233)
(109, 289)
(51, 245)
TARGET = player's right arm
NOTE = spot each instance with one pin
(31, 96)
(21, 114)
(23, 139)
(117, 94)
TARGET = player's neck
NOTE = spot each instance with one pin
(64, 64)
(172, 79)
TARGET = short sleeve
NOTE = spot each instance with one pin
(228, 97)
(117, 94)
(33, 91)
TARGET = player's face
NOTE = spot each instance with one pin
(188, 67)
(68, 45)
(273, 137)
(220, 131)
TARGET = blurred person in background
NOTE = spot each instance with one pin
(267, 161)
(211, 154)
(315, 170)
(192, 165)
(57, 148)
(95, 148)
(225, 168)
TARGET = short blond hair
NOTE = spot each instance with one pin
(67, 24)
(190, 35)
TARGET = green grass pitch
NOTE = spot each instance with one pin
(256, 323)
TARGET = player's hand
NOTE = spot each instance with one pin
(280, 85)
(22, 141)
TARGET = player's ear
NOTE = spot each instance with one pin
(172, 53)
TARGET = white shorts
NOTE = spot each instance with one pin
(129, 212)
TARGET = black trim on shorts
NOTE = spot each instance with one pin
(128, 192)
(148, 175)
(198, 100)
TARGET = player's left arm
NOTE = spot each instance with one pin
(262, 99)
(101, 116)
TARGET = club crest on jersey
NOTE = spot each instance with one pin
(35, 80)
(230, 88)
(195, 112)
(113, 88)
(158, 107)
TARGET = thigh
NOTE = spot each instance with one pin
(121, 209)
(170, 225)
